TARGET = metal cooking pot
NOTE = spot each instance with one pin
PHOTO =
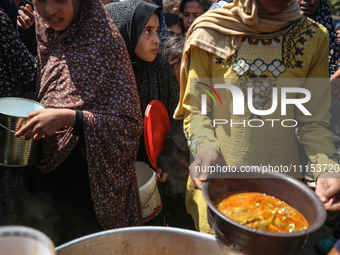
(146, 240)
(16, 151)
(256, 242)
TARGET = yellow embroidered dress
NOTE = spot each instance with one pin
(295, 57)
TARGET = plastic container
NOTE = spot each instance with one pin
(150, 199)
(20, 240)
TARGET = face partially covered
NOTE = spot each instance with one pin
(308, 7)
(148, 43)
(58, 14)
(272, 6)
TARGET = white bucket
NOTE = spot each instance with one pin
(150, 200)
(20, 240)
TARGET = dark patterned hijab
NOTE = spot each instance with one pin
(86, 67)
(323, 16)
(130, 17)
(155, 80)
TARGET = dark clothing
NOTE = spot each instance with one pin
(68, 187)
(18, 70)
(323, 16)
(27, 36)
(11, 9)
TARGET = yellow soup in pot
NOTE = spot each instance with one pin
(261, 211)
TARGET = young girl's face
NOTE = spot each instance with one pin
(191, 11)
(58, 14)
(148, 43)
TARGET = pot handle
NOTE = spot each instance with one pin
(10, 130)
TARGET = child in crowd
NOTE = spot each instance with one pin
(191, 9)
(171, 6)
(138, 22)
(172, 51)
(174, 23)
(173, 158)
(92, 121)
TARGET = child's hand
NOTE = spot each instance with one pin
(46, 122)
(26, 17)
(161, 176)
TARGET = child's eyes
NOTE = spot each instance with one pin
(148, 31)
(195, 15)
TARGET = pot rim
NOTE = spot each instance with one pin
(143, 229)
(19, 99)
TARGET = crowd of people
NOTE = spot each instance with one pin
(96, 65)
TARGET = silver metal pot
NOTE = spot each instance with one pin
(16, 151)
(146, 240)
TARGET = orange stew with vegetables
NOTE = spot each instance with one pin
(261, 211)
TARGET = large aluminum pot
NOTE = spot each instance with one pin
(256, 242)
(146, 240)
(16, 151)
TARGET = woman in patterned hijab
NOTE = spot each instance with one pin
(92, 123)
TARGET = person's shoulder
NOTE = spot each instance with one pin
(306, 23)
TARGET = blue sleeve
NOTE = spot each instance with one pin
(337, 245)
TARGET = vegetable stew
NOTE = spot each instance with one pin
(261, 211)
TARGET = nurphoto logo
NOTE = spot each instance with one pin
(257, 97)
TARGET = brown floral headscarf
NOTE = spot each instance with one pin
(87, 67)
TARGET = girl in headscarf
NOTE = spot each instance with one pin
(248, 45)
(154, 75)
(92, 121)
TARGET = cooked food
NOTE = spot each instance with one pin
(261, 211)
